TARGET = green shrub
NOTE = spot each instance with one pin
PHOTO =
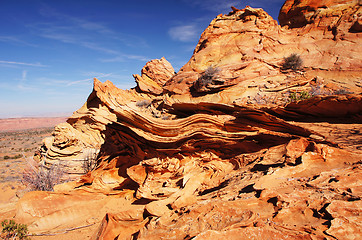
(13, 230)
(293, 97)
(293, 62)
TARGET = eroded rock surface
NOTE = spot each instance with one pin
(153, 76)
(237, 155)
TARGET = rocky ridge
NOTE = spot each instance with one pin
(218, 150)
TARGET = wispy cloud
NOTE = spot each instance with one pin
(22, 63)
(19, 84)
(16, 41)
(185, 33)
(23, 75)
(124, 57)
(67, 83)
(22, 85)
(97, 47)
(87, 80)
(85, 33)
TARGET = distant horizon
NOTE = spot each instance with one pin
(44, 115)
(51, 51)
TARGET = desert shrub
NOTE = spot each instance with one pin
(293, 62)
(17, 156)
(13, 230)
(211, 74)
(260, 98)
(143, 103)
(342, 92)
(294, 96)
(39, 178)
(318, 90)
(90, 160)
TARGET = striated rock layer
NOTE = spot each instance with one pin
(224, 148)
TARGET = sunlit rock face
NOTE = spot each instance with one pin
(153, 76)
(232, 146)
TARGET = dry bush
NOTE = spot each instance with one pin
(262, 99)
(39, 178)
(342, 92)
(90, 160)
(209, 76)
(293, 62)
(143, 103)
(319, 90)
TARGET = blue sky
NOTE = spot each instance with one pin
(50, 50)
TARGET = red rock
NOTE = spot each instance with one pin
(153, 76)
(347, 219)
(300, 13)
(184, 159)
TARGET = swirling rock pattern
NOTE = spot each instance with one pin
(235, 159)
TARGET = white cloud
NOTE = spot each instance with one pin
(23, 64)
(186, 33)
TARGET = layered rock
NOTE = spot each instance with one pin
(209, 152)
(248, 47)
(322, 14)
(153, 76)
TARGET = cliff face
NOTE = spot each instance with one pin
(210, 152)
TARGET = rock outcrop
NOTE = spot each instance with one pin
(228, 146)
(153, 76)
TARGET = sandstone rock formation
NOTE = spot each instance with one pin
(153, 76)
(219, 149)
